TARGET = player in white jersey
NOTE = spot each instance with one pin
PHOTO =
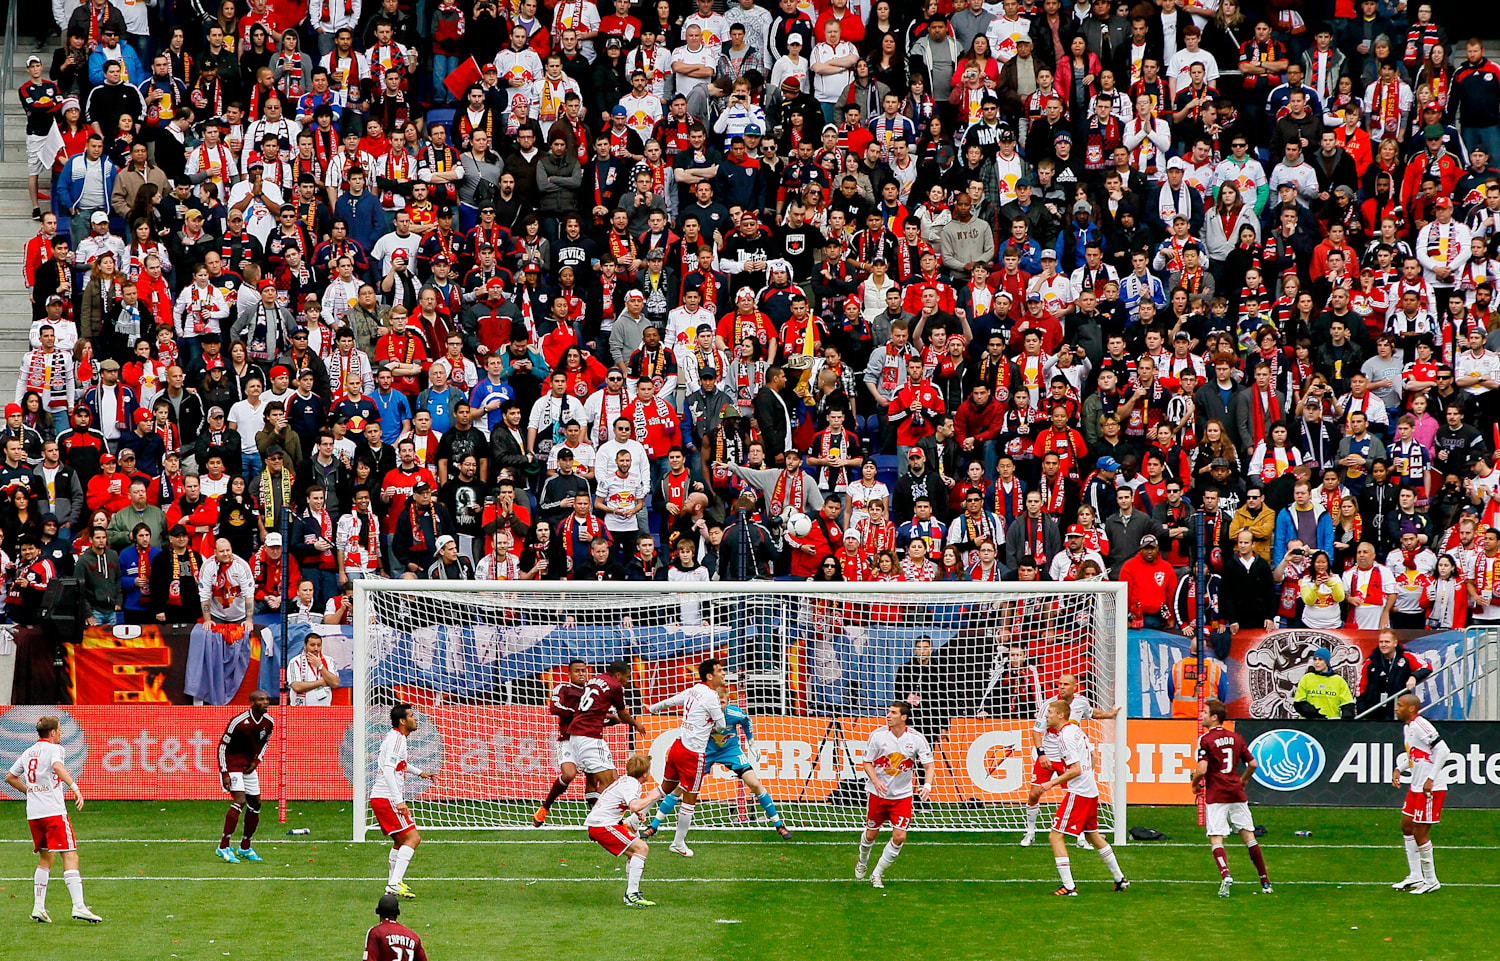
(1426, 754)
(39, 773)
(1049, 749)
(702, 715)
(617, 802)
(386, 798)
(1079, 814)
(891, 754)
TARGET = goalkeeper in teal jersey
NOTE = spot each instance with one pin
(727, 749)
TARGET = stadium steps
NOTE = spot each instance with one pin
(16, 227)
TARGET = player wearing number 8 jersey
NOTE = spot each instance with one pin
(891, 754)
(39, 773)
(1079, 813)
(1425, 757)
(1222, 781)
(702, 715)
(387, 798)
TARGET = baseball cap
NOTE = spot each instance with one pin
(216, 412)
(420, 486)
(444, 541)
(33, 59)
(99, 217)
(1149, 540)
(273, 539)
(619, 111)
(1108, 463)
(177, 530)
(106, 458)
(1075, 530)
(753, 130)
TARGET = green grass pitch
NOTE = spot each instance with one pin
(149, 870)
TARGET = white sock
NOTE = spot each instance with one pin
(684, 821)
(635, 866)
(74, 881)
(889, 854)
(1032, 810)
(1425, 852)
(1108, 854)
(399, 865)
(39, 888)
(1065, 871)
(864, 849)
(1413, 858)
(390, 860)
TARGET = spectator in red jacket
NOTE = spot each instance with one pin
(265, 566)
(976, 425)
(1152, 582)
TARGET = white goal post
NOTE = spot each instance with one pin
(814, 666)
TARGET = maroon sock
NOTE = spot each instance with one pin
(231, 821)
(1260, 863)
(558, 787)
(1221, 860)
(252, 821)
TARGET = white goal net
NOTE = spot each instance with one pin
(814, 666)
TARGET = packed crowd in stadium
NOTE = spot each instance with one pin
(849, 292)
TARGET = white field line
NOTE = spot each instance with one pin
(769, 841)
(615, 879)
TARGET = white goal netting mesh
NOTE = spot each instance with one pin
(815, 673)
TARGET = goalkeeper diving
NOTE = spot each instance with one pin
(740, 756)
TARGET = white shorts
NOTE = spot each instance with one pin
(35, 165)
(562, 753)
(1226, 819)
(591, 754)
(249, 783)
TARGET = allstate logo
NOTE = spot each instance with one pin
(1287, 760)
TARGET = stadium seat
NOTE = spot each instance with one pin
(442, 115)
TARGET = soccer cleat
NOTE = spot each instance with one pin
(1123, 884)
(248, 854)
(540, 817)
(40, 916)
(784, 831)
(859, 870)
(1265, 887)
(1083, 842)
(1065, 892)
(1425, 887)
(1029, 839)
(400, 890)
(683, 850)
(636, 901)
(1408, 882)
(1224, 887)
(82, 913)
(877, 880)
(227, 854)
(651, 830)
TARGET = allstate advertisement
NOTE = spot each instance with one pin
(1349, 764)
(1264, 667)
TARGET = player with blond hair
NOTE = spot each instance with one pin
(40, 774)
(1079, 813)
(622, 798)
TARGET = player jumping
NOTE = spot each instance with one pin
(890, 755)
(1220, 753)
(391, 812)
(603, 696)
(39, 773)
(1048, 757)
(243, 744)
(621, 799)
(725, 748)
(563, 705)
(701, 717)
(1079, 814)
(1426, 754)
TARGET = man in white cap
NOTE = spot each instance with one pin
(629, 330)
(450, 565)
(1064, 566)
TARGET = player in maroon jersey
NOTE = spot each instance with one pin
(1219, 776)
(563, 705)
(390, 940)
(602, 696)
(243, 744)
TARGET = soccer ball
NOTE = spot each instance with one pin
(800, 525)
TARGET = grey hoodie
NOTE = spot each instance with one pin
(558, 182)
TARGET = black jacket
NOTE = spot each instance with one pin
(1247, 597)
(1381, 677)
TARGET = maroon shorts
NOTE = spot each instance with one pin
(615, 838)
(880, 810)
(391, 821)
(53, 833)
(1421, 808)
(685, 767)
(1076, 815)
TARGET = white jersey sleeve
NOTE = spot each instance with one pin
(1427, 754)
(44, 789)
(1076, 749)
(613, 803)
(391, 768)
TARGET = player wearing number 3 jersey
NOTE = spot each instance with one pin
(702, 715)
(39, 773)
(891, 754)
(1079, 812)
(1222, 781)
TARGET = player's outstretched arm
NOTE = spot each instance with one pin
(645, 801)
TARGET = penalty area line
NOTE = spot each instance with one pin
(615, 879)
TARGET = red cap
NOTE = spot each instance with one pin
(141, 415)
(267, 284)
(1443, 200)
(12, 410)
(106, 458)
(1075, 530)
(280, 370)
(216, 364)
(495, 283)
